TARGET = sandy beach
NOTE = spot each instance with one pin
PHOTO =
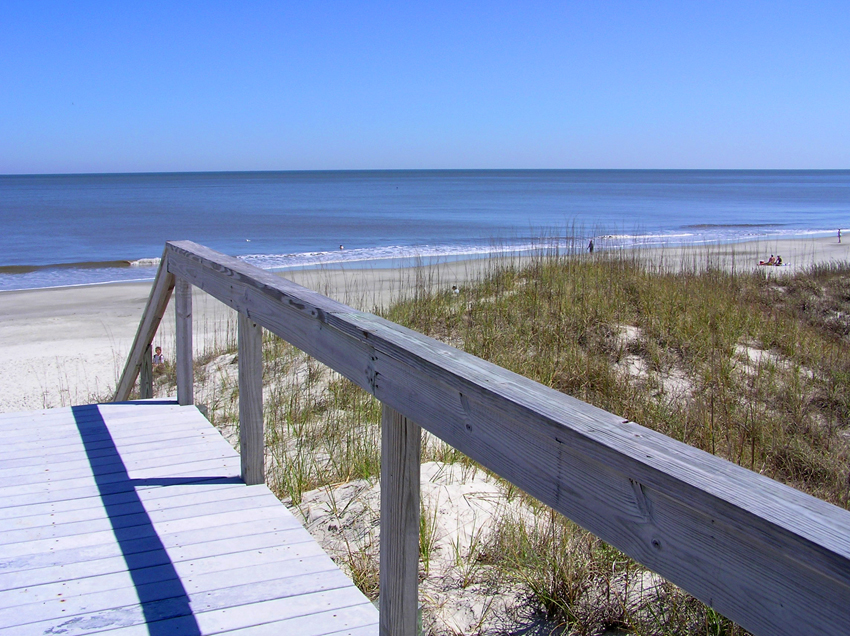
(68, 345)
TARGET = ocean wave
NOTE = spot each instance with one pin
(361, 255)
(145, 262)
(731, 226)
(27, 269)
(666, 236)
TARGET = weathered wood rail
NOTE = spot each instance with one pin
(770, 557)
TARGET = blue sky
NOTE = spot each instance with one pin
(172, 86)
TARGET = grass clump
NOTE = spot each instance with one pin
(741, 365)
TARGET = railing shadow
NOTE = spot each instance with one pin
(158, 586)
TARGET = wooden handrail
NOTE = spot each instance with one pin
(770, 557)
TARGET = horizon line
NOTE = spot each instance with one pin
(400, 170)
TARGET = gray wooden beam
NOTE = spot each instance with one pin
(401, 442)
(251, 440)
(757, 551)
(183, 332)
(146, 375)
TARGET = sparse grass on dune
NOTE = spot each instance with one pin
(744, 365)
(747, 367)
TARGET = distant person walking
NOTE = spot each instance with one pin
(839, 235)
(590, 247)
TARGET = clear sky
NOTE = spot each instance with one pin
(119, 86)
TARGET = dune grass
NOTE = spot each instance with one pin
(750, 367)
(746, 365)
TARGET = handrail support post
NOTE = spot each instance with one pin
(401, 441)
(146, 375)
(251, 438)
(183, 331)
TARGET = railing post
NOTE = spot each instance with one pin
(146, 375)
(251, 439)
(401, 442)
(183, 330)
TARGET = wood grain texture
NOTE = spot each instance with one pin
(160, 294)
(401, 443)
(93, 557)
(759, 552)
(251, 438)
(146, 375)
(183, 334)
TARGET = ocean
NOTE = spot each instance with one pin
(63, 230)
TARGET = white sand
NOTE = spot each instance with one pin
(68, 345)
(796, 254)
(462, 506)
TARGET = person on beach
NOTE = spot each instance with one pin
(839, 235)
(778, 260)
(158, 362)
(590, 247)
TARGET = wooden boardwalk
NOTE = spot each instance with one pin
(132, 519)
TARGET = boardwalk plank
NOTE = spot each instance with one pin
(164, 455)
(133, 519)
(238, 602)
(90, 583)
(176, 544)
(150, 454)
(138, 429)
(23, 426)
(35, 448)
(153, 496)
(70, 569)
(358, 616)
(65, 459)
(198, 525)
(87, 491)
(315, 609)
(225, 465)
(38, 515)
(240, 587)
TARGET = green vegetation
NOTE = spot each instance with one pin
(748, 367)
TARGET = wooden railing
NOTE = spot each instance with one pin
(773, 559)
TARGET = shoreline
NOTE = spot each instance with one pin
(67, 345)
(143, 269)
